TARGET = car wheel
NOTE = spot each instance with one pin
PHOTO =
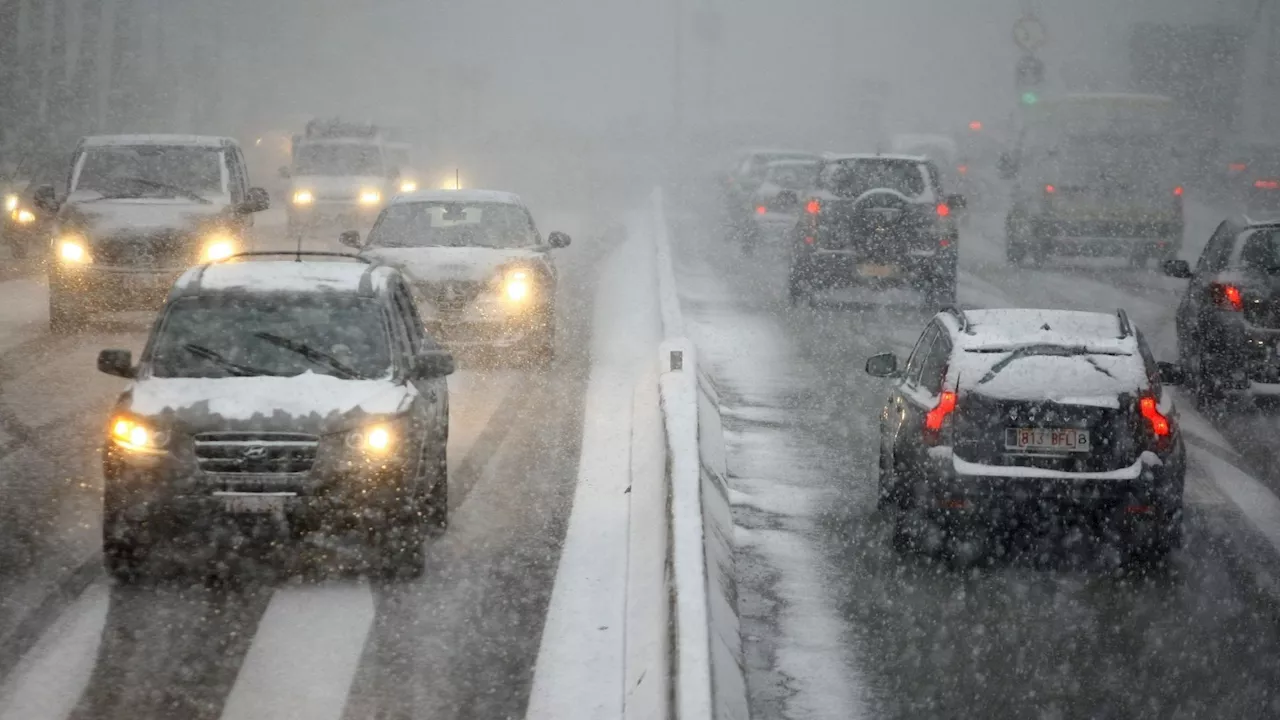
(400, 545)
(436, 505)
(1208, 396)
(126, 542)
(19, 248)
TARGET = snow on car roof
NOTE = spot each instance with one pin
(792, 162)
(459, 196)
(209, 141)
(283, 276)
(841, 157)
(1016, 327)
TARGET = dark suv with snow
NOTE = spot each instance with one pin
(1017, 420)
(295, 397)
(876, 221)
(1229, 317)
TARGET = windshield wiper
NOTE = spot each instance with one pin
(176, 189)
(316, 356)
(216, 358)
(1033, 350)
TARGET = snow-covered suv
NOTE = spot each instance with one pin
(298, 396)
(1016, 418)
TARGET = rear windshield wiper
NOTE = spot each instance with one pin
(216, 358)
(1036, 350)
(316, 356)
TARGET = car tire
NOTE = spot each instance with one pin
(436, 505)
(126, 543)
(20, 248)
(400, 545)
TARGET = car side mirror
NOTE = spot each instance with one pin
(116, 362)
(284, 172)
(433, 364)
(256, 200)
(46, 198)
(884, 365)
(1180, 269)
(1171, 374)
(559, 240)
(351, 238)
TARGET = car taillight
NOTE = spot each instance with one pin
(1227, 297)
(1159, 423)
(943, 210)
(946, 405)
(760, 209)
(1237, 167)
(1049, 189)
(944, 242)
(963, 169)
(813, 207)
(1177, 191)
(1267, 184)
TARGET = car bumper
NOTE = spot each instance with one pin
(824, 268)
(1108, 237)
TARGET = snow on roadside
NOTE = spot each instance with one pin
(774, 474)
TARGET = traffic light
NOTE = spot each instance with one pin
(1030, 98)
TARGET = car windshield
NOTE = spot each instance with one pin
(793, 176)
(454, 224)
(151, 170)
(267, 334)
(337, 159)
(851, 178)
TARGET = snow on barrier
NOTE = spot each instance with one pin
(707, 673)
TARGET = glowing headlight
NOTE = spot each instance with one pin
(23, 216)
(137, 437)
(72, 250)
(375, 440)
(10, 203)
(408, 186)
(303, 197)
(517, 286)
(218, 248)
(370, 197)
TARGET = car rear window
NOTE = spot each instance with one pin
(1261, 251)
(851, 178)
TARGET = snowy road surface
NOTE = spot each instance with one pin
(837, 624)
(461, 642)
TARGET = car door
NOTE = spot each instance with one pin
(896, 418)
(433, 391)
(1195, 302)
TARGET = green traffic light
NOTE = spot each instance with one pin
(1029, 98)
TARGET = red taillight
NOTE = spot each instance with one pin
(944, 242)
(1237, 167)
(760, 209)
(808, 240)
(1227, 297)
(1159, 423)
(1177, 191)
(963, 169)
(943, 210)
(1267, 184)
(946, 404)
(813, 207)
(1049, 189)
(975, 125)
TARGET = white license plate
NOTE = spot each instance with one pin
(877, 271)
(253, 503)
(1053, 440)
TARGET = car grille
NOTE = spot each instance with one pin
(453, 295)
(981, 423)
(153, 250)
(258, 453)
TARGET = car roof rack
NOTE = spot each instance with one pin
(1125, 328)
(960, 318)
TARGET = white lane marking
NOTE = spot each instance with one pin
(580, 666)
(48, 682)
(304, 655)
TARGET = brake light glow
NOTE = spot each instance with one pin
(944, 242)
(760, 210)
(1227, 297)
(943, 210)
(1049, 189)
(808, 240)
(1267, 184)
(1159, 423)
(946, 405)
(813, 207)
(975, 125)
(1177, 191)
(1237, 167)
(963, 169)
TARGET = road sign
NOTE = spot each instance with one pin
(1029, 33)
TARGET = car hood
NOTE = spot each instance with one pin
(453, 264)
(141, 215)
(337, 185)
(310, 403)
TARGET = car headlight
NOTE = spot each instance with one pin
(517, 286)
(408, 186)
(136, 436)
(370, 197)
(218, 247)
(303, 197)
(10, 202)
(73, 250)
(23, 216)
(378, 439)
